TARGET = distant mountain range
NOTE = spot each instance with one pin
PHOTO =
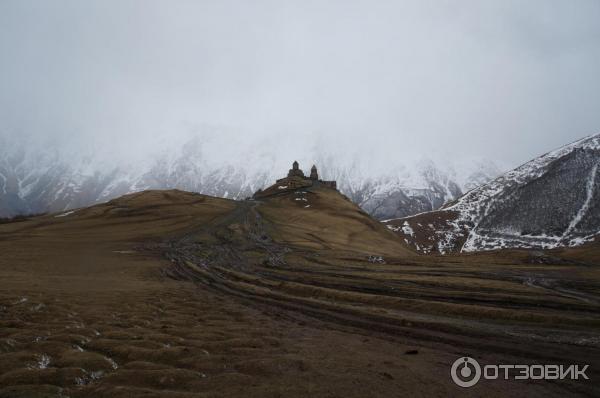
(548, 202)
(551, 201)
(36, 178)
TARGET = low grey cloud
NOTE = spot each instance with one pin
(504, 80)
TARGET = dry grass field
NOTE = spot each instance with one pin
(174, 294)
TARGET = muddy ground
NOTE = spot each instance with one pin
(172, 294)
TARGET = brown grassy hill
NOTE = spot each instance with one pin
(323, 219)
(85, 248)
(175, 294)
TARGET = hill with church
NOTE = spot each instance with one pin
(295, 180)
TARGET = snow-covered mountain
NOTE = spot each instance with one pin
(551, 201)
(407, 189)
(37, 178)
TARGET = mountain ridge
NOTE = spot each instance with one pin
(37, 179)
(544, 203)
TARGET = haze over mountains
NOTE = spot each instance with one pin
(548, 202)
(38, 177)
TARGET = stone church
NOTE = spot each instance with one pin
(295, 180)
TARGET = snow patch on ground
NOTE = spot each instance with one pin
(406, 228)
(113, 364)
(43, 361)
(65, 214)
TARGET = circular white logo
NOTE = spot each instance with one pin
(465, 372)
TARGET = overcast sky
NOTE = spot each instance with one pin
(506, 80)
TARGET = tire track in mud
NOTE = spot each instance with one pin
(231, 274)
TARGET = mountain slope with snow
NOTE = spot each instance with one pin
(40, 178)
(551, 201)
